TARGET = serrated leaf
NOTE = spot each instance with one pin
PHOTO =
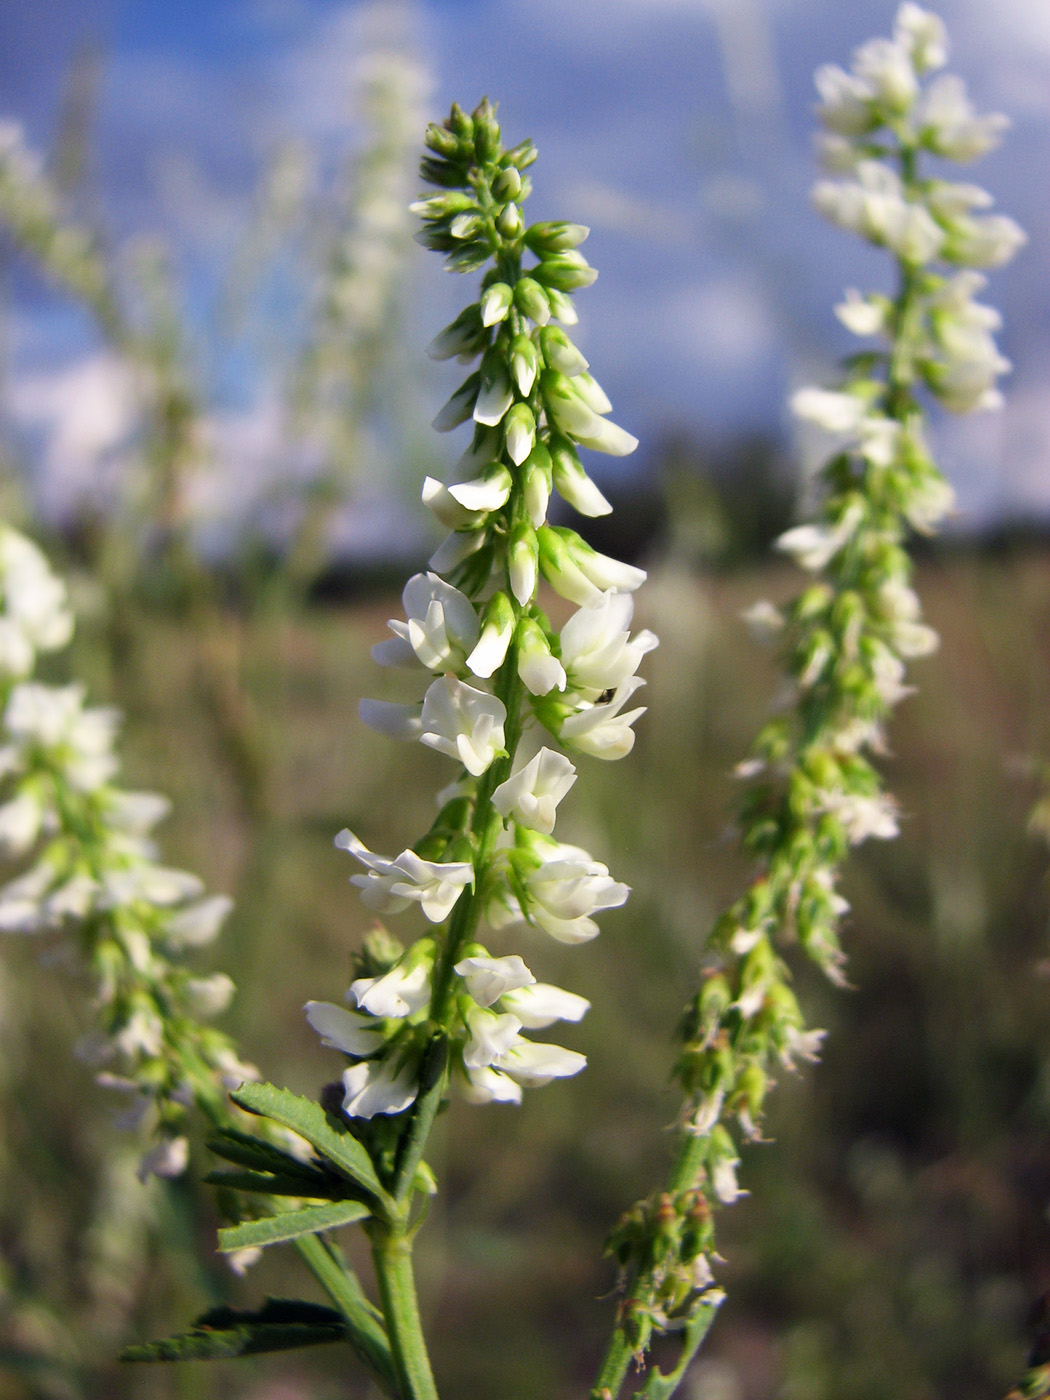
(322, 1188)
(321, 1130)
(248, 1151)
(280, 1325)
(289, 1225)
(659, 1386)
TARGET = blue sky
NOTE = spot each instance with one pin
(680, 130)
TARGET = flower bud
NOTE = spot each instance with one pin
(465, 333)
(459, 123)
(524, 364)
(557, 237)
(561, 307)
(559, 352)
(497, 629)
(460, 405)
(537, 487)
(520, 432)
(509, 221)
(573, 484)
(532, 301)
(495, 303)
(486, 131)
(539, 670)
(507, 184)
(466, 225)
(523, 562)
(565, 272)
(522, 155)
(439, 139)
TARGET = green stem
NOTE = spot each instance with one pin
(364, 1331)
(392, 1255)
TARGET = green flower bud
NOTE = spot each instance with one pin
(537, 484)
(459, 123)
(466, 333)
(561, 307)
(507, 184)
(509, 221)
(523, 562)
(441, 206)
(565, 272)
(486, 131)
(466, 225)
(460, 406)
(519, 428)
(524, 363)
(522, 155)
(495, 303)
(447, 173)
(441, 140)
(556, 237)
(531, 300)
(560, 353)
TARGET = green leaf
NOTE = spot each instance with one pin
(273, 1229)
(280, 1325)
(661, 1387)
(248, 1151)
(331, 1188)
(321, 1130)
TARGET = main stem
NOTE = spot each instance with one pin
(392, 1256)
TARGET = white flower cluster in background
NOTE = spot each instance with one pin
(81, 864)
(505, 692)
(879, 119)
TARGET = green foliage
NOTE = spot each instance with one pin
(223, 1333)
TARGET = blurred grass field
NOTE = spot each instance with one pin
(897, 1229)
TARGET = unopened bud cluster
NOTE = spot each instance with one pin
(814, 792)
(502, 686)
(87, 871)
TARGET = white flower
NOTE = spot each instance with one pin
(464, 723)
(845, 106)
(863, 816)
(949, 125)
(540, 671)
(540, 1005)
(375, 1087)
(534, 1065)
(169, 1158)
(392, 885)
(567, 889)
(814, 546)
(885, 68)
(488, 979)
(494, 401)
(576, 487)
(596, 647)
(199, 923)
(861, 315)
(496, 633)
(488, 1085)
(344, 1030)
(20, 822)
(389, 718)
(985, 242)
(441, 626)
(600, 729)
(835, 413)
(402, 991)
(207, 996)
(454, 548)
(491, 1036)
(531, 795)
(923, 35)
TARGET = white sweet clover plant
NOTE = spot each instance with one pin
(844, 641)
(82, 869)
(505, 691)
